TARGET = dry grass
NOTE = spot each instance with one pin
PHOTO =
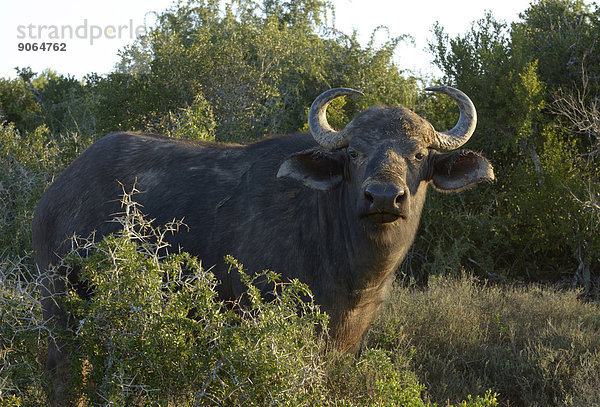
(535, 346)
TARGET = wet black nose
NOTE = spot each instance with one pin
(384, 197)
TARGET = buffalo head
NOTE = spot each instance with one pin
(387, 155)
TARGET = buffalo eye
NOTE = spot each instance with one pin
(419, 156)
(353, 153)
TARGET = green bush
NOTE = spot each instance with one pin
(17, 105)
(254, 69)
(30, 160)
(539, 221)
(22, 335)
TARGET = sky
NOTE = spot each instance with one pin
(93, 32)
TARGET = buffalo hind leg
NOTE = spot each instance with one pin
(58, 362)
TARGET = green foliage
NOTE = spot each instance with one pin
(478, 63)
(17, 105)
(296, 13)
(537, 221)
(69, 104)
(22, 335)
(534, 346)
(377, 378)
(256, 67)
(30, 160)
(61, 103)
(562, 35)
(197, 121)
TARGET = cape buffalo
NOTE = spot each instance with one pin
(336, 209)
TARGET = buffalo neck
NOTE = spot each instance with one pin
(368, 254)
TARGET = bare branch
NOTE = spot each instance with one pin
(581, 110)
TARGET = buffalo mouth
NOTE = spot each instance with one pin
(383, 217)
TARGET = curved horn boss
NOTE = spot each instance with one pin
(331, 139)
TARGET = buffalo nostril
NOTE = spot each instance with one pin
(384, 196)
(400, 197)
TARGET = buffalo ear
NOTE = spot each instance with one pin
(314, 168)
(456, 170)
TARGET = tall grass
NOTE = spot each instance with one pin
(535, 346)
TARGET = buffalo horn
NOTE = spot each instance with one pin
(326, 136)
(467, 120)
